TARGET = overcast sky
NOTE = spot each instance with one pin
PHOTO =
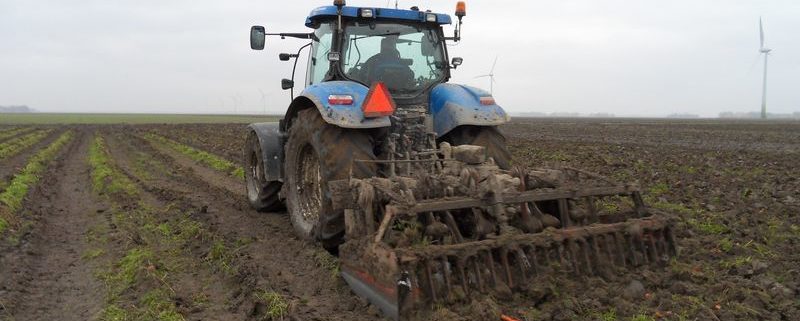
(625, 57)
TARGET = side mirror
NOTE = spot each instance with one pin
(257, 37)
(457, 61)
(284, 56)
(287, 84)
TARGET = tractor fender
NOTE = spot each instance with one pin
(271, 140)
(346, 116)
(455, 105)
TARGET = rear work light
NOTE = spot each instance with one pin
(378, 102)
(487, 100)
(430, 17)
(340, 100)
(367, 13)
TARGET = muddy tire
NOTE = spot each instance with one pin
(317, 153)
(262, 195)
(489, 137)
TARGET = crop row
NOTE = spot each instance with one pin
(13, 131)
(14, 146)
(145, 278)
(215, 162)
(12, 197)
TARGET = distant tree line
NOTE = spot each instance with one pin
(16, 109)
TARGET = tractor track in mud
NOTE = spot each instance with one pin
(45, 277)
(273, 257)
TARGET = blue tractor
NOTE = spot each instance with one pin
(354, 51)
(407, 177)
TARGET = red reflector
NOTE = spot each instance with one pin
(340, 100)
(379, 102)
(488, 100)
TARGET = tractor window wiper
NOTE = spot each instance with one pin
(378, 35)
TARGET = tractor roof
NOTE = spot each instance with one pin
(379, 13)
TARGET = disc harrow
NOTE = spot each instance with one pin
(454, 228)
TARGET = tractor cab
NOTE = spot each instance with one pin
(403, 49)
(408, 55)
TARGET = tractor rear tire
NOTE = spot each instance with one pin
(487, 136)
(262, 195)
(317, 153)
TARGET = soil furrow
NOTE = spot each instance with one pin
(14, 133)
(13, 164)
(45, 278)
(301, 271)
(210, 293)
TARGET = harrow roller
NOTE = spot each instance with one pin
(415, 242)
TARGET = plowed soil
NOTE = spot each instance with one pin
(733, 189)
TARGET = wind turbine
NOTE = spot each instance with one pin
(765, 51)
(263, 100)
(491, 76)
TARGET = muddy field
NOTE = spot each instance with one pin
(150, 222)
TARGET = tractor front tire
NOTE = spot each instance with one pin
(262, 195)
(317, 153)
(489, 137)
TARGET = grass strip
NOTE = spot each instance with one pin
(200, 156)
(14, 146)
(14, 194)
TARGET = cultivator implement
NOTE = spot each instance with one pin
(453, 227)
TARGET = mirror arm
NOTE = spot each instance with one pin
(456, 33)
(294, 68)
(293, 35)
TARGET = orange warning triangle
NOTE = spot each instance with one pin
(379, 102)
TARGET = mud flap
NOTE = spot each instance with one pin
(272, 140)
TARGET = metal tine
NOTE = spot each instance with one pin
(446, 275)
(451, 223)
(563, 209)
(661, 242)
(546, 251)
(561, 259)
(429, 276)
(609, 242)
(632, 249)
(653, 247)
(521, 259)
(460, 265)
(584, 244)
(533, 255)
(645, 254)
(504, 261)
(619, 241)
(478, 276)
(592, 209)
(606, 245)
(573, 257)
(490, 263)
(673, 245)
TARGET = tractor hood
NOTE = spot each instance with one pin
(378, 13)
